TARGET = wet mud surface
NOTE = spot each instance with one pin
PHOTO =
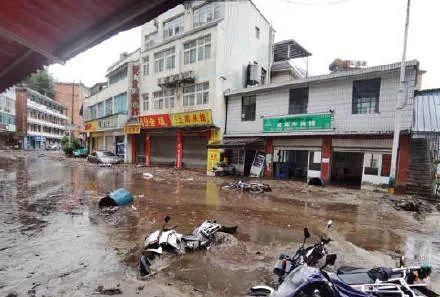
(54, 241)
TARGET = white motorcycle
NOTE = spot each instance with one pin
(168, 240)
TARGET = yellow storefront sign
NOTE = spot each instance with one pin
(91, 126)
(192, 118)
(132, 129)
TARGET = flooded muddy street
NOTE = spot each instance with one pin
(54, 241)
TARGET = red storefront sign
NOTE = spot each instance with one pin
(135, 91)
(155, 121)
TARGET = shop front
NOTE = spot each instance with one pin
(107, 134)
(178, 139)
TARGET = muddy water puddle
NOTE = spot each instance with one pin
(54, 240)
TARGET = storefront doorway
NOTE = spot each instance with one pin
(291, 164)
(347, 169)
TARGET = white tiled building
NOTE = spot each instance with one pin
(190, 55)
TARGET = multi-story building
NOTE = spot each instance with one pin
(338, 126)
(40, 121)
(106, 110)
(7, 117)
(190, 55)
(72, 95)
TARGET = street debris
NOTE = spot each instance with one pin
(108, 291)
(147, 175)
(119, 197)
(408, 205)
(316, 181)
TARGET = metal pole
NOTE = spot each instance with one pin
(401, 102)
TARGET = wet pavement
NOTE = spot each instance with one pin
(54, 241)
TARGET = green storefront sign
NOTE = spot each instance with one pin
(301, 122)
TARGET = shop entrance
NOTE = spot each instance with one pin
(347, 169)
(291, 164)
(163, 150)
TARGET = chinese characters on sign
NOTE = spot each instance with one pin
(193, 118)
(289, 123)
(155, 121)
(135, 92)
(91, 126)
(132, 129)
(108, 122)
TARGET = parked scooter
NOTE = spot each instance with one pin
(254, 188)
(168, 240)
(304, 255)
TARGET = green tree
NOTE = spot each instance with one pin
(70, 145)
(42, 82)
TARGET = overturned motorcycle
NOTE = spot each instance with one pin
(169, 241)
(252, 187)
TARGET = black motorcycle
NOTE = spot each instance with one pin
(304, 255)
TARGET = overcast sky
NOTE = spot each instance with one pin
(370, 30)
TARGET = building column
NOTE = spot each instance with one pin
(179, 149)
(126, 156)
(268, 148)
(402, 163)
(133, 148)
(147, 150)
(326, 152)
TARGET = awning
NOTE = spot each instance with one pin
(34, 33)
(242, 142)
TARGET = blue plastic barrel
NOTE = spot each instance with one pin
(119, 197)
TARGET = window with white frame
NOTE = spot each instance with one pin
(372, 162)
(150, 40)
(109, 106)
(100, 112)
(145, 102)
(164, 99)
(206, 14)
(196, 94)
(146, 65)
(197, 50)
(173, 27)
(164, 60)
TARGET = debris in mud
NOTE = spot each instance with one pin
(147, 175)
(408, 205)
(108, 291)
(119, 197)
(12, 294)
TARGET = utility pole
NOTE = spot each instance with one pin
(401, 102)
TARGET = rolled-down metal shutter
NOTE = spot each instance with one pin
(303, 144)
(109, 143)
(163, 150)
(194, 151)
(380, 145)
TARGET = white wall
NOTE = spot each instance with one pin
(325, 95)
(226, 68)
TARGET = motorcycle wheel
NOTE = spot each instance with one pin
(144, 266)
(256, 189)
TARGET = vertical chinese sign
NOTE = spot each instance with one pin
(134, 110)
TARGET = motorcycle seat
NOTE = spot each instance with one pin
(190, 237)
(354, 275)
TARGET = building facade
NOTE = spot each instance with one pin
(40, 120)
(337, 127)
(106, 110)
(72, 96)
(7, 118)
(190, 56)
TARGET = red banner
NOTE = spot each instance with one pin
(155, 121)
(135, 91)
